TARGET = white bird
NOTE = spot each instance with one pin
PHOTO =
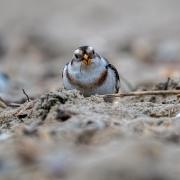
(90, 73)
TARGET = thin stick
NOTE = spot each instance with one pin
(26, 95)
(14, 105)
(9, 104)
(145, 93)
(1, 99)
(3, 103)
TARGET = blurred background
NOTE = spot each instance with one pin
(37, 37)
(65, 136)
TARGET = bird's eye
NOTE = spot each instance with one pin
(77, 53)
(76, 56)
(90, 50)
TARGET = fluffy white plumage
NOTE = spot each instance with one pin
(98, 77)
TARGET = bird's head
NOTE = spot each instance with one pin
(85, 55)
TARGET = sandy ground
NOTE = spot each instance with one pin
(62, 135)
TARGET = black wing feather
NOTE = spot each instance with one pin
(117, 76)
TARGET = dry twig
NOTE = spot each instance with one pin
(5, 104)
(14, 104)
(24, 92)
(145, 93)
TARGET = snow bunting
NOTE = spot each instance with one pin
(90, 73)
